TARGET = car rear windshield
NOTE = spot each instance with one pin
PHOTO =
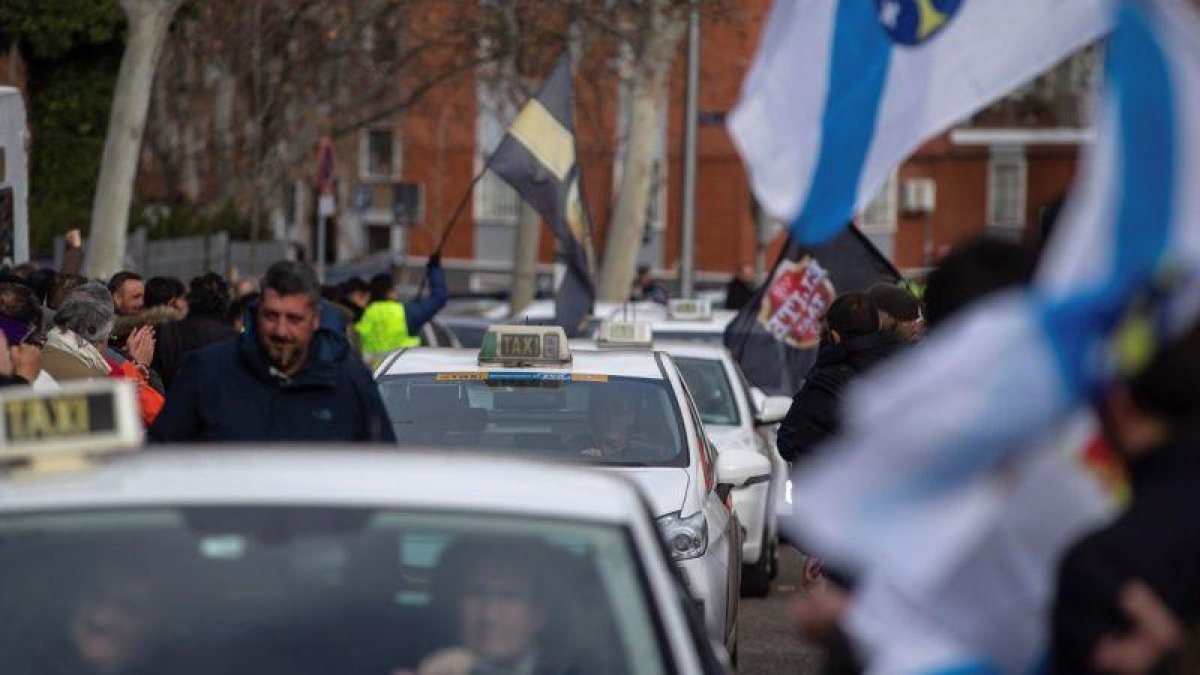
(709, 385)
(590, 418)
(297, 591)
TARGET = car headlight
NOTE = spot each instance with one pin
(686, 537)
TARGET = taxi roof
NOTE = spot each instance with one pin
(329, 476)
(615, 362)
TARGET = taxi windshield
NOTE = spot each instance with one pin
(576, 417)
(299, 590)
(710, 390)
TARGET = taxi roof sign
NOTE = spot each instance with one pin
(690, 309)
(614, 333)
(525, 346)
(63, 428)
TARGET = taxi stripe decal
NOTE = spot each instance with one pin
(519, 376)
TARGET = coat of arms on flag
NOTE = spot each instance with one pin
(794, 303)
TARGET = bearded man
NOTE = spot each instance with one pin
(290, 376)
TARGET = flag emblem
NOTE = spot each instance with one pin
(796, 301)
(913, 22)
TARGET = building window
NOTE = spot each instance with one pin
(879, 216)
(1007, 188)
(378, 155)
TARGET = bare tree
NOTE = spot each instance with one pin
(148, 23)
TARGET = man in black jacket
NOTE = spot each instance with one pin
(208, 302)
(857, 343)
(1154, 424)
(289, 377)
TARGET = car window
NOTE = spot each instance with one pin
(579, 417)
(710, 388)
(716, 337)
(287, 590)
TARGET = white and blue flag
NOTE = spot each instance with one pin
(934, 443)
(842, 91)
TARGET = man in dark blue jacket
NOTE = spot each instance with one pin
(288, 377)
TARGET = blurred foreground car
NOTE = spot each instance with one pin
(319, 560)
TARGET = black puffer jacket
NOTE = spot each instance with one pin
(814, 414)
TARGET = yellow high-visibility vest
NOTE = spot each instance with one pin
(384, 328)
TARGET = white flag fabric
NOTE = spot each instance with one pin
(918, 471)
(990, 608)
(842, 91)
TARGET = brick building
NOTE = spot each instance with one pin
(995, 173)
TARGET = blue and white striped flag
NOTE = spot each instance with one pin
(842, 91)
(905, 490)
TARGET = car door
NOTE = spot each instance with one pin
(724, 531)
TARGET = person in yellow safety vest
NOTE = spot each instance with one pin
(388, 324)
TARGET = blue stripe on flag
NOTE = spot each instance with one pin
(859, 60)
(968, 668)
(1140, 77)
(1076, 326)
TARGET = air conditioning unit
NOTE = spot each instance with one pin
(918, 195)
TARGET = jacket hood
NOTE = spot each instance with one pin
(863, 349)
(327, 350)
(155, 316)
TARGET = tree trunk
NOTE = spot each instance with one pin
(525, 259)
(148, 23)
(648, 96)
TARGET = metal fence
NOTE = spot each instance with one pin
(188, 257)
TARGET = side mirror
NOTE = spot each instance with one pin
(738, 468)
(773, 410)
(757, 398)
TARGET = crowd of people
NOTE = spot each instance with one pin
(276, 359)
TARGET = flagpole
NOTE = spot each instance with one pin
(449, 226)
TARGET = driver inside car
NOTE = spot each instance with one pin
(509, 616)
(611, 425)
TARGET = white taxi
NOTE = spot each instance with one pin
(736, 422)
(319, 560)
(524, 392)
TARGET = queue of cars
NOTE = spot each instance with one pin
(526, 392)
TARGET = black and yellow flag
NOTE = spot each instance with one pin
(537, 157)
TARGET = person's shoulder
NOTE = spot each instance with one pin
(217, 354)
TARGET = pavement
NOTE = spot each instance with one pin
(767, 642)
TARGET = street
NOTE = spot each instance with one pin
(767, 643)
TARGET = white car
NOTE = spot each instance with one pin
(734, 421)
(524, 392)
(314, 560)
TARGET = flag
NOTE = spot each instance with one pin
(841, 91)
(776, 335)
(904, 490)
(537, 157)
(990, 607)
(325, 185)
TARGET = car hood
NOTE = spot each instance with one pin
(732, 438)
(666, 488)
